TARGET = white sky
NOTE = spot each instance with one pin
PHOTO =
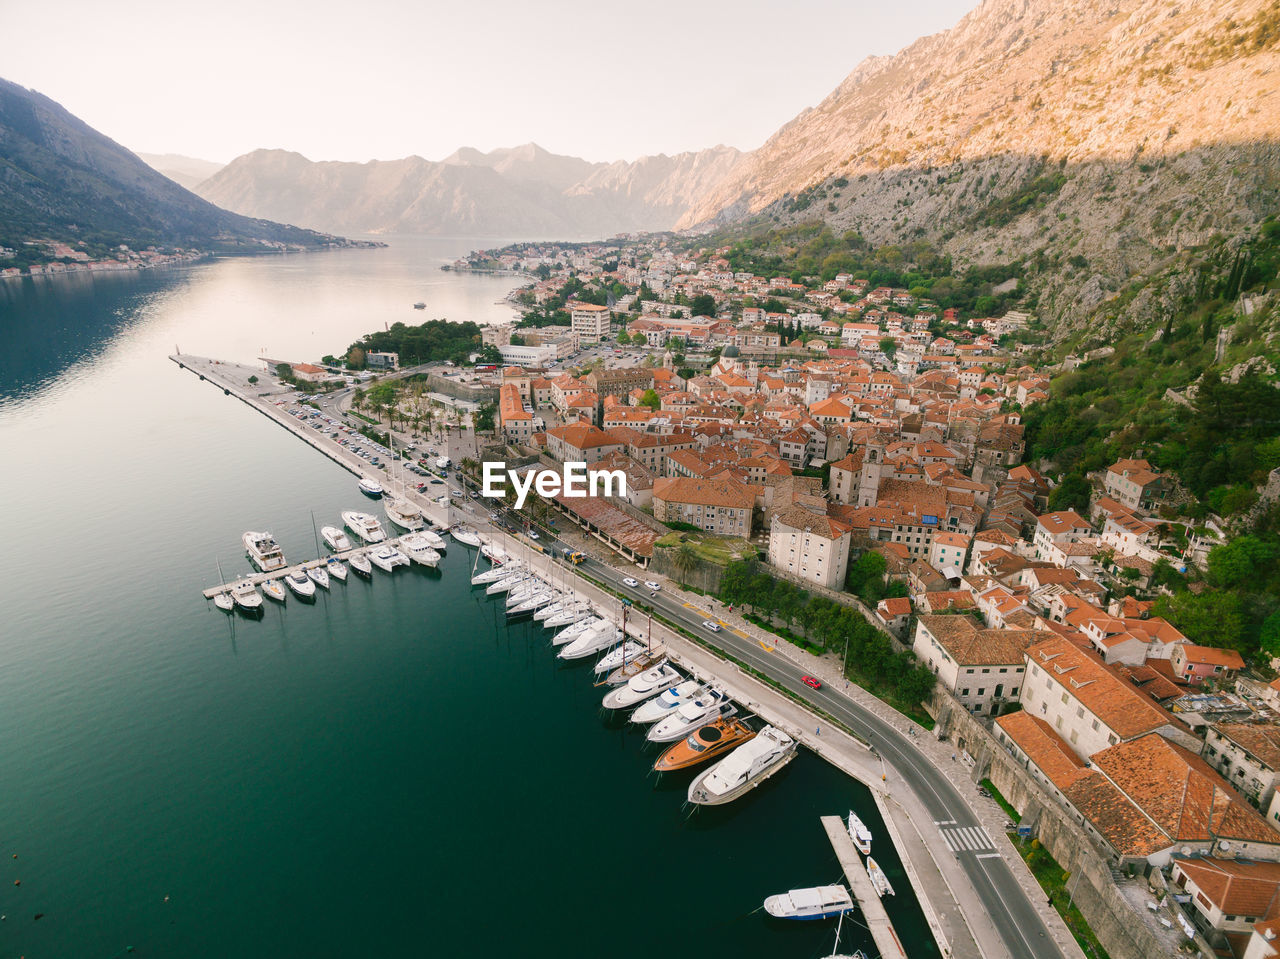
(381, 79)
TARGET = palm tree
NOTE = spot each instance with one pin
(685, 560)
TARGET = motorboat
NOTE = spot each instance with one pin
(816, 902)
(496, 573)
(336, 569)
(591, 642)
(335, 539)
(319, 575)
(387, 558)
(434, 539)
(569, 617)
(743, 769)
(224, 602)
(301, 584)
(404, 513)
(366, 527)
(703, 744)
(370, 487)
(467, 537)
(619, 655)
(416, 547)
(246, 596)
(639, 688)
(878, 879)
(670, 700)
(705, 709)
(646, 660)
(859, 833)
(274, 589)
(264, 551)
(360, 564)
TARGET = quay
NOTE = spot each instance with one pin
(877, 920)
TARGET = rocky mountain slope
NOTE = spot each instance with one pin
(182, 170)
(1094, 140)
(61, 180)
(523, 191)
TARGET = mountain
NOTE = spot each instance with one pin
(1093, 142)
(63, 181)
(185, 171)
(524, 191)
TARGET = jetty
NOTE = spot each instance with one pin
(877, 920)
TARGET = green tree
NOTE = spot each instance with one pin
(355, 358)
(704, 304)
(870, 567)
(651, 399)
(1269, 636)
(685, 560)
(1211, 618)
(888, 346)
(253, 379)
(1072, 493)
(623, 337)
(484, 418)
(284, 372)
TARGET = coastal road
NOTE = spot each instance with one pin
(960, 833)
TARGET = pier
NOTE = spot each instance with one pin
(877, 920)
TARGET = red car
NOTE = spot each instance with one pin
(811, 682)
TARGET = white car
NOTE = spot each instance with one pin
(630, 582)
(533, 534)
(714, 627)
(650, 584)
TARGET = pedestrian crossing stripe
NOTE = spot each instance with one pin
(944, 822)
(967, 839)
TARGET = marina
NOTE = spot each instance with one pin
(874, 916)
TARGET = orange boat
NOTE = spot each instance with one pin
(708, 742)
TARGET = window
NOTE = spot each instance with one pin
(1014, 692)
(1095, 725)
(982, 691)
(964, 692)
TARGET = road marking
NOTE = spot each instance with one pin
(767, 649)
(987, 855)
(966, 839)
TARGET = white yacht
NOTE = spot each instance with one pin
(642, 663)
(859, 833)
(405, 514)
(591, 642)
(335, 539)
(506, 583)
(264, 551)
(670, 700)
(336, 569)
(572, 632)
(639, 688)
(743, 769)
(319, 575)
(531, 603)
(274, 589)
(493, 553)
(705, 709)
(878, 879)
(551, 609)
(467, 537)
(434, 539)
(246, 596)
(818, 902)
(301, 584)
(523, 590)
(370, 487)
(416, 547)
(619, 656)
(495, 574)
(224, 602)
(359, 561)
(387, 558)
(364, 526)
(569, 617)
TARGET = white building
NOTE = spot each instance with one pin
(590, 323)
(810, 545)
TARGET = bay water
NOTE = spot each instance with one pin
(392, 771)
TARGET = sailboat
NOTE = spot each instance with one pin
(859, 954)
(223, 599)
(400, 509)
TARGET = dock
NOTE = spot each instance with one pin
(877, 920)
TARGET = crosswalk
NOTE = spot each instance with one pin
(964, 838)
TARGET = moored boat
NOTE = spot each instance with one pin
(370, 487)
(642, 686)
(387, 558)
(669, 701)
(416, 547)
(336, 569)
(468, 537)
(246, 596)
(264, 551)
(335, 539)
(360, 564)
(224, 602)
(569, 617)
(495, 574)
(366, 527)
(574, 630)
(274, 589)
(859, 833)
(618, 656)
(301, 584)
(879, 881)
(404, 513)
(318, 575)
(704, 744)
(591, 642)
(816, 902)
(743, 769)
(705, 709)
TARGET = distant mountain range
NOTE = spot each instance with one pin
(185, 171)
(524, 191)
(63, 181)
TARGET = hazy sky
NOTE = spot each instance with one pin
(383, 79)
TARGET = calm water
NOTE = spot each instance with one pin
(392, 771)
